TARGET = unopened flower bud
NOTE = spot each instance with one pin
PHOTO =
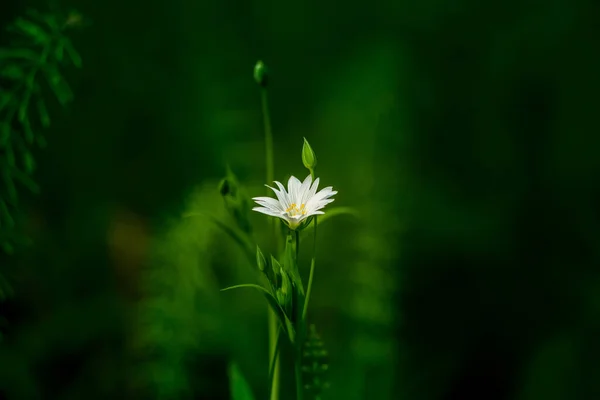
(260, 259)
(261, 73)
(309, 159)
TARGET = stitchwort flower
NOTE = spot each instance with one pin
(299, 202)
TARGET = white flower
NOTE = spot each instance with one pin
(299, 202)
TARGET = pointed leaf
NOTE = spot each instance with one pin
(28, 162)
(32, 30)
(59, 85)
(13, 72)
(72, 53)
(238, 386)
(290, 263)
(24, 105)
(283, 319)
(335, 211)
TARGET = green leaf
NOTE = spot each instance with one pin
(28, 162)
(32, 30)
(238, 386)
(72, 53)
(335, 211)
(59, 85)
(290, 264)
(12, 71)
(24, 105)
(23, 54)
(283, 319)
(260, 259)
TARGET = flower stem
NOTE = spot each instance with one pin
(270, 165)
(298, 370)
(312, 262)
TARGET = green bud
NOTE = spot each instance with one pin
(276, 271)
(284, 293)
(285, 283)
(261, 73)
(224, 187)
(309, 158)
(260, 259)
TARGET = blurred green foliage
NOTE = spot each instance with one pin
(464, 134)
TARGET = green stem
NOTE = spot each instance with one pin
(268, 136)
(298, 370)
(312, 262)
(270, 164)
(275, 359)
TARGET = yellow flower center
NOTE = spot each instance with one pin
(293, 210)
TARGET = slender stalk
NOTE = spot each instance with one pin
(312, 270)
(298, 370)
(312, 262)
(268, 136)
(270, 164)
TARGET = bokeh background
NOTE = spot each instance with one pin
(465, 133)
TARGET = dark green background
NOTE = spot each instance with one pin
(465, 133)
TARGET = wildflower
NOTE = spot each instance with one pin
(299, 202)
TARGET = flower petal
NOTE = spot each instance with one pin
(267, 211)
(293, 188)
(269, 202)
(313, 189)
(281, 195)
(305, 190)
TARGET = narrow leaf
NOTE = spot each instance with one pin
(12, 71)
(238, 386)
(247, 285)
(28, 162)
(73, 54)
(335, 211)
(24, 105)
(59, 86)
(32, 30)
(283, 319)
